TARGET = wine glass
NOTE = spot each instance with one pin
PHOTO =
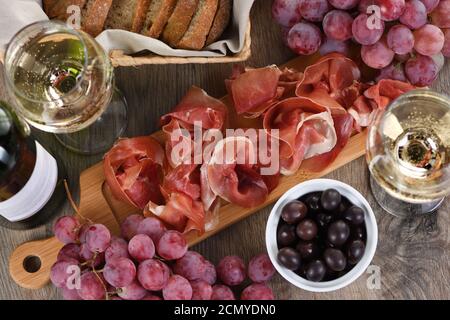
(408, 153)
(62, 81)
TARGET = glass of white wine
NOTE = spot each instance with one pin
(62, 81)
(408, 153)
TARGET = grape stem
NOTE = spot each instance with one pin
(72, 203)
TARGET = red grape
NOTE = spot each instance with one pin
(337, 25)
(201, 290)
(177, 288)
(134, 291)
(446, 49)
(343, 4)
(421, 70)
(117, 249)
(429, 40)
(330, 45)
(66, 229)
(151, 297)
(221, 292)
(394, 72)
(70, 250)
(153, 274)
(260, 268)
(210, 274)
(314, 10)
(415, 14)
(430, 5)
(153, 227)
(119, 272)
(88, 256)
(440, 17)
(286, 12)
(70, 294)
(391, 9)
(82, 233)
(304, 38)
(192, 266)
(400, 39)
(172, 245)
(98, 238)
(91, 287)
(231, 270)
(257, 291)
(130, 225)
(365, 31)
(60, 272)
(378, 55)
(141, 247)
(365, 4)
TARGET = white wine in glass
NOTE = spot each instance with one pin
(408, 153)
(62, 81)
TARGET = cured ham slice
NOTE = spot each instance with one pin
(306, 129)
(376, 97)
(134, 171)
(233, 173)
(197, 108)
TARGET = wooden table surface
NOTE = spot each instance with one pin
(413, 255)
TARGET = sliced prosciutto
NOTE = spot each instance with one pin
(305, 130)
(376, 97)
(199, 109)
(134, 171)
(233, 173)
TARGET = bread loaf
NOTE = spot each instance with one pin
(179, 21)
(94, 16)
(221, 21)
(127, 15)
(195, 36)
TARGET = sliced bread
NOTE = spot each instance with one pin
(195, 36)
(179, 21)
(94, 16)
(221, 21)
(157, 17)
(127, 15)
(59, 8)
(48, 5)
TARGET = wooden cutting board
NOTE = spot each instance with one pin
(97, 204)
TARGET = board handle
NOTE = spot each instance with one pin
(30, 263)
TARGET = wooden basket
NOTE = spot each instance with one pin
(119, 59)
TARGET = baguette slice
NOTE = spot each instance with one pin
(221, 21)
(195, 36)
(59, 8)
(179, 21)
(94, 16)
(157, 17)
(127, 15)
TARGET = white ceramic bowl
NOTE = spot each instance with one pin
(320, 185)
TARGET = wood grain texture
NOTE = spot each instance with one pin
(413, 255)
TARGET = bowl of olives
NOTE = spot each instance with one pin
(321, 235)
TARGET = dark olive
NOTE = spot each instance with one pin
(335, 259)
(294, 212)
(289, 258)
(355, 251)
(315, 271)
(323, 219)
(358, 233)
(313, 201)
(307, 230)
(338, 233)
(355, 215)
(286, 235)
(308, 250)
(330, 199)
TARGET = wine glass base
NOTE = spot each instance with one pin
(103, 133)
(400, 208)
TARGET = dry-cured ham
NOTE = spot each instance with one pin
(197, 108)
(305, 130)
(134, 170)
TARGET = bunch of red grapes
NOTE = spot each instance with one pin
(404, 39)
(148, 262)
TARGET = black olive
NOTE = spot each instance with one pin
(289, 258)
(308, 250)
(313, 201)
(338, 233)
(315, 271)
(355, 251)
(355, 215)
(307, 230)
(294, 212)
(330, 199)
(286, 235)
(335, 259)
